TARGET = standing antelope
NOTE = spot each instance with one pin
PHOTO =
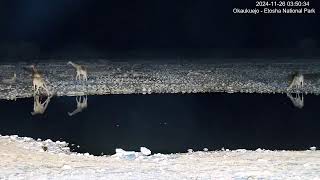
(297, 81)
(82, 103)
(82, 73)
(38, 81)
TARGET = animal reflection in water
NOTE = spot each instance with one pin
(82, 103)
(298, 101)
(38, 106)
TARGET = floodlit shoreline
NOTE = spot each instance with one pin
(105, 77)
(26, 158)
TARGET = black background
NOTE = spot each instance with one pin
(152, 29)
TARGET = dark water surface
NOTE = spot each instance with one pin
(170, 123)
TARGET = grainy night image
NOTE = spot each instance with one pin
(156, 89)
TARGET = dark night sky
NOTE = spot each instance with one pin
(122, 25)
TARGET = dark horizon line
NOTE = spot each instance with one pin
(173, 53)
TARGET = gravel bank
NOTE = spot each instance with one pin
(107, 77)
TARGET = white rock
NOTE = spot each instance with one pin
(27, 139)
(129, 155)
(48, 141)
(145, 151)
(241, 150)
(119, 151)
(313, 148)
(13, 137)
(259, 150)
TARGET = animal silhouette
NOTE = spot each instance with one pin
(38, 107)
(297, 81)
(81, 71)
(82, 103)
(38, 81)
(298, 101)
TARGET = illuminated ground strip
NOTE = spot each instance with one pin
(146, 78)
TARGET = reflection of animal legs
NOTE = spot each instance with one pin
(77, 99)
(83, 101)
(36, 103)
(46, 102)
(38, 107)
(81, 104)
(298, 101)
(300, 98)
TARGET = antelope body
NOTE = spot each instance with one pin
(81, 71)
(38, 81)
